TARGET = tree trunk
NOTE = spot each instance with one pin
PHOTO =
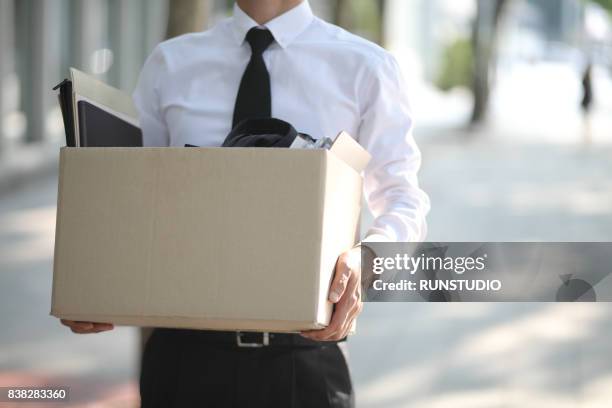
(484, 41)
(381, 8)
(343, 14)
(7, 46)
(187, 16)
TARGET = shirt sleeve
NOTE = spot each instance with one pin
(391, 185)
(147, 99)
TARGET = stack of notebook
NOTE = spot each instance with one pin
(96, 114)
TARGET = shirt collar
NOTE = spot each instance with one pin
(285, 28)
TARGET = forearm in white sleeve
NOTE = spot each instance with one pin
(391, 185)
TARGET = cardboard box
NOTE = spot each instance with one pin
(211, 238)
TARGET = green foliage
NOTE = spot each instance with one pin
(456, 65)
(607, 4)
(363, 17)
(367, 20)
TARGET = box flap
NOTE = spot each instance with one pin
(348, 150)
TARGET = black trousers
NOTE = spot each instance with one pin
(180, 370)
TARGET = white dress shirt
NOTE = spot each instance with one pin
(323, 80)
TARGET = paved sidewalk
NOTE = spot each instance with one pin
(404, 355)
(34, 348)
(19, 165)
(497, 355)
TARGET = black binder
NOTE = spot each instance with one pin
(65, 102)
(97, 127)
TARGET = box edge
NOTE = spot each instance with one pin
(61, 167)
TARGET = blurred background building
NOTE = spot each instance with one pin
(511, 152)
(450, 44)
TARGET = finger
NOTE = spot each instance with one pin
(66, 323)
(78, 325)
(341, 312)
(348, 324)
(330, 333)
(79, 330)
(337, 321)
(342, 275)
(101, 327)
(334, 324)
(345, 328)
(346, 311)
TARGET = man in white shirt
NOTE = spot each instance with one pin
(274, 58)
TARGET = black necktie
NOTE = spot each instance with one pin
(254, 100)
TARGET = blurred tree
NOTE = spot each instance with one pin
(364, 17)
(381, 6)
(484, 43)
(186, 16)
(343, 14)
(607, 4)
(456, 66)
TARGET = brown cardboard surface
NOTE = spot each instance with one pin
(227, 239)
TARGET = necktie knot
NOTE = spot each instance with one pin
(259, 39)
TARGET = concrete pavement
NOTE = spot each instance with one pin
(497, 355)
(34, 348)
(404, 355)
